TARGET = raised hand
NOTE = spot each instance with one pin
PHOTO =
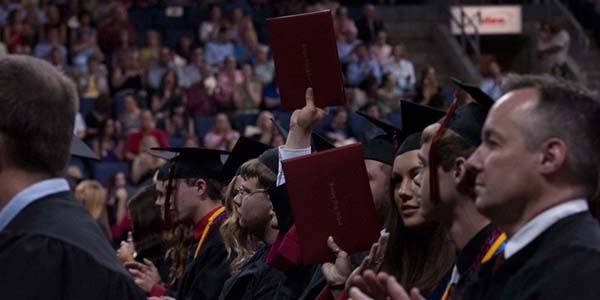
(337, 273)
(303, 122)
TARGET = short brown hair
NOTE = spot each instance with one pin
(38, 105)
(450, 146)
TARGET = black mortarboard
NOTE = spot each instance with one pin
(412, 142)
(244, 150)
(195, 162)
(166, 155)
(281, 205)
(80, 149)
(392, 131)
(163, 171)
(379, 148)
(319, 142)
(270, 158)
(468, 120)
(415, 118)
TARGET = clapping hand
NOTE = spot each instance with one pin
(380, 287)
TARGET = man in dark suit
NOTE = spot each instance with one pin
(536, 168)
(50, 247)
(370, 25)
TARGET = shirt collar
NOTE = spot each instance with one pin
(541, 222)
(199, 228)
(29, 195)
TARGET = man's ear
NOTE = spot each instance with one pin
(201, 187)
(553, 156)
(463, 175)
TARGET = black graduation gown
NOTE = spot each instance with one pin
(468, 260)
(205, 275)
(562, 263)
(53, 249)
(256, 280)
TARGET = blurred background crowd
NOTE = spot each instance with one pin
(189, 73)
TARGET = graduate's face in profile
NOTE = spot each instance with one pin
(406, 168)
(379, 182)
(506, 168)
(253, 206)
(161, 193)
(184, 203)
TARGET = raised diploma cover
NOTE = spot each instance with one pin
(330, 196)
(305, 55)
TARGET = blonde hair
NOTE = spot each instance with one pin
(239, 243)
(93, 197)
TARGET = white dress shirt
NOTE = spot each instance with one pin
(541, 223)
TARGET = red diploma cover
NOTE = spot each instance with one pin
(330, 196)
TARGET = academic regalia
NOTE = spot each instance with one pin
(207, 268)
(256, 279)
(561, 263)
(53, 249)
(489, 241)
(207, 272)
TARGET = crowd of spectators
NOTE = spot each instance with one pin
(197, 73)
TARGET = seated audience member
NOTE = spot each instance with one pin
(168, 91)
(178, 123)
(337, 131)
(158, 69)
(99, 114)
(107, 145)
(184, 49)
(492, 84)
(389, 94)
(362, 67)
(370, 25)
(264, 68)
(342, 23)
(128, 72)
(264, 131)
(151, 52)
(247, 95)
(130, 118)
(209, 29)
(93, 81)
(192, 72)
(226, 81)
(402, 68)
(429, 91)
(346, 46)
(215, 51)
(221, 136)
(147, 128)
(201, 97)
(43, 49)
(381, 51)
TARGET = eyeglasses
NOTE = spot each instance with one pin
(243, 193)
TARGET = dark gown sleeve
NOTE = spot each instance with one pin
(37, 267)
(206, 274)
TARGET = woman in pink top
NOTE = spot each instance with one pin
(221, 136)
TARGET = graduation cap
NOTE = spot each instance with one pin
(468, 120)
(281, 205)
(270, 158)
(319, 142)
(415, 118)
(244, 150)
(195, 162)
(80, 149)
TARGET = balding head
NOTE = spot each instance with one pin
(38, 105)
